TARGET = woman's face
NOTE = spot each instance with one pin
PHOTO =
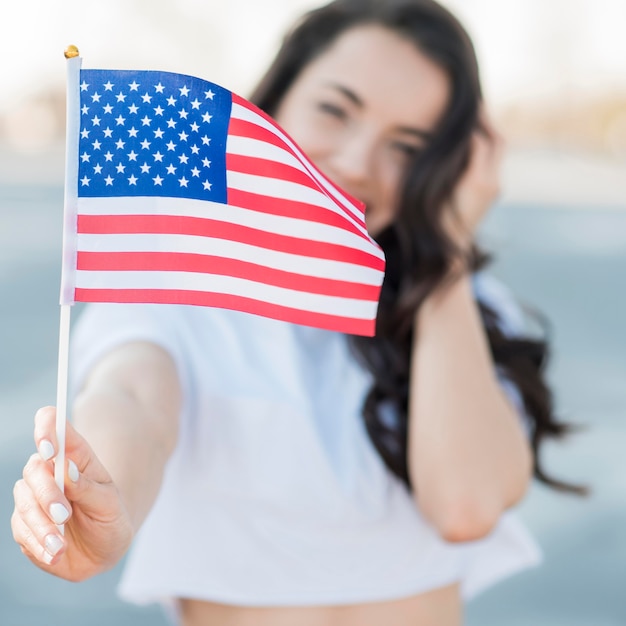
(362, 109)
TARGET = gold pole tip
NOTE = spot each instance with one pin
(71, 52)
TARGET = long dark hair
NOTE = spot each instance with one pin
(419, 253)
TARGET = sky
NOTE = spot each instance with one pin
(528, 49)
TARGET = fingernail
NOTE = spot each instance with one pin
(72, 471)
(53, 544)
(47, 558)
(59, 513)
(46, 449)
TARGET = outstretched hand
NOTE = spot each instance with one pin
(98, 530)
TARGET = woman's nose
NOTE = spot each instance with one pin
(351, 164)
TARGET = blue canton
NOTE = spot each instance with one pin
(145, 133)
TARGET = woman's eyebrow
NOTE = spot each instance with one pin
(358, 102)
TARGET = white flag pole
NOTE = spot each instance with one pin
(68, 271)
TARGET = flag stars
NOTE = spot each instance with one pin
(119, 120)
(145, 144)
(108, 86)
(145, 168)
(194, 127)
(157, 156)
(85, 109)
(171, 123)
(95, 120)
(208, 95)
(183, 114)
(183, 136)
(195, 149)
(121, 97)
(171, 101)
(159, 88)
(195, 172)
(158, 110)
(206, 118)
(158, 180)
(120, 144)
(132, 180)
(134, 86)
(132, 155)
(133, 108)
(146, 98)
(171, 145)
(84, 86)
(108, 180)
(96, 145)
(120, 167)
(184, 90)
(158, 134)
(84, 157)
(108, 108)
(206, 162)
(171, 169)
(97, 169)
(132, 132)
(183, 158)
(95, 97)
(183, 182)
(108, 133)
(146, 121)
(108, 156)
(84, 181)
(206, 140)
(84, 133)
(206, 185)
(195, 104)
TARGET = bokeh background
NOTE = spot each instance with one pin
(554, 73)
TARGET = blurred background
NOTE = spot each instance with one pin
(554, 73)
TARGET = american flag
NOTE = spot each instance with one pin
(186, 193)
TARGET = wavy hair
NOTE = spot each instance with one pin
(419, 253)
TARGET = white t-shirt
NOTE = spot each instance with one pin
(275, 494)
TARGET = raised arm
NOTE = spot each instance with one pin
(469, 458)
(125, 428)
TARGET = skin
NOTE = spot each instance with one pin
(468, 457)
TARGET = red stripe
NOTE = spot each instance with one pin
(270, 169)
(292, 208)
(238, 303)
(216, 229)
(253, 129)
(205, 264)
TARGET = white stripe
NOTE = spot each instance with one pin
(250, 147)
(243, 113)
(315, 303)
(192, 244)
(189, 207)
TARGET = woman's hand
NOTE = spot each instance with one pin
(98, 530)
(479, 186)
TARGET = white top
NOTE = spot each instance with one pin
(275, 494)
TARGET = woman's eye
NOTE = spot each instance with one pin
(406, 150)
(332, 109)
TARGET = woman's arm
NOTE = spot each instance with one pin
(128, 412)
(469, 458)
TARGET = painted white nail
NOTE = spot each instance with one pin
(47, 558)
(53, 544)
(72, 471)
(59, 513)
(46, 449)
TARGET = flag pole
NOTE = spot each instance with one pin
(69, 252)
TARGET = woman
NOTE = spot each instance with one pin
(288, 475)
